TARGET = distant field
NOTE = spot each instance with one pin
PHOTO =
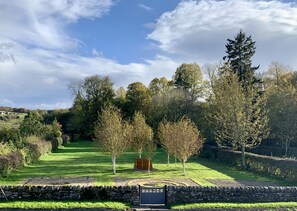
(80, 159)
(11, 120)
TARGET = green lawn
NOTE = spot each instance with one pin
(63, 205)
(254, 206)
(80, 159)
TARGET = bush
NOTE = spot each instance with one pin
(3, 166)
(11, 136)
(43, 145)
(6, 149)
(66, 139)
(56, 143)
(34, 148)
(9, 162)
(280, 168)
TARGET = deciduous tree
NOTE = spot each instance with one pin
(112, 134)
(182, 137)
(189, 77)
(142, 135)
(239, 114)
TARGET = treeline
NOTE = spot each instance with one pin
(234, 108)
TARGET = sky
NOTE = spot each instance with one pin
(46, 45)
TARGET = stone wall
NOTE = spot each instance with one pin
(176, 195)
(113, 193)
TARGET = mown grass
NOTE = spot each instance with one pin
(256, 206)
(38, 205)
(81, 159)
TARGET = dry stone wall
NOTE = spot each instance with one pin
(230, 194)
(113, 193)
(131, 194)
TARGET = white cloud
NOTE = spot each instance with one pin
(7, 102)
(40, 23)
(40, 77)
(199, 29)
(50, 80)
(47, 106)
(144, 7)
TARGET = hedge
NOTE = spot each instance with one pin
(274, 151)
(28, 154)
(281, 168)
(10, 161)
(56, 143)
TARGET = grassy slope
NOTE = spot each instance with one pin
(81, 159)
(13, 123)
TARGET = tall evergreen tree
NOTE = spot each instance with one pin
(239, 56)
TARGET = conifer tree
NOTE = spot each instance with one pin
(239, 56)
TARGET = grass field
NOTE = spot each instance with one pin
(13, 122)
(80, 159)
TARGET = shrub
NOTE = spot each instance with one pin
(11, 136)
(5, 149)
(34, 148)
(56, 143)
(9, 162)
(44, 146)
(3, 166)
(66, 139)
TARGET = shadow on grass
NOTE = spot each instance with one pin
(237, 173)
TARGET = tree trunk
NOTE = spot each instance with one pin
(184, 167)
(113, 164)
(168, 159)
(175, 160)
(149, 166)
(139, 154)
(286, 147)
(243, 162)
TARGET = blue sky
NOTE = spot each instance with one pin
(45, 45)
(122, 34)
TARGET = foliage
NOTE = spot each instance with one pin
(282, 107)
(63, 116)
(91, 96)
(142, 134)
(138, 98)
(44, 146)
(239, 53)
(6, 148)
(120, 97)
(239, 114)
(112, 134)
(189, 77)
(183, 134)
(32, 124)
(171, 105)
(66, 139)
(11, 136)
(275, 74)
(159, 85)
